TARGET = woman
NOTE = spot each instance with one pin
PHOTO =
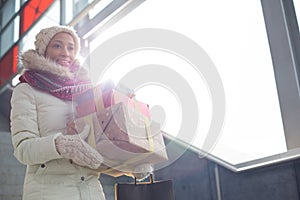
(59, 166)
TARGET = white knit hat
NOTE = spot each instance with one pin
(43, 38)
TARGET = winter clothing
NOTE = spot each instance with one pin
(43, 38)
(63, 85)
(37, 119)
(75, 148)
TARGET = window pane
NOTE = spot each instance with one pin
(233, 34)
(98, 8)
(79, 5)
(8, 11)
(50, 18)
(68, 11)
(16, 28)
(17, 5)
(7, 38)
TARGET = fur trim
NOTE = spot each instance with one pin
(32, 60)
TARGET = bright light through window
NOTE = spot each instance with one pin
(159, 95)
(15, 80)
(233, 35)
(98, 8)
(297, 9)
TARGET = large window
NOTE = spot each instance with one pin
(234, 36)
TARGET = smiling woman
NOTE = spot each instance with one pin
(41, 107)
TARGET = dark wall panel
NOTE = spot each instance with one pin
(191, 177)
(297, 171)
(276, 182)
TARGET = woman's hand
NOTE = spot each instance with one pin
(142, 171)
(75, 148)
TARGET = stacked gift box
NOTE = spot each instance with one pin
(121, 128)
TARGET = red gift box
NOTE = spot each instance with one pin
(98, 98)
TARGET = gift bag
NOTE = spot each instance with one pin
(153, 190)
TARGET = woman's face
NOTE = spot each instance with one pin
(61, 49)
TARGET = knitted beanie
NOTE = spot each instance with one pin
(43, 38)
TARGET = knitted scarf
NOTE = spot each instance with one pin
(61, 87)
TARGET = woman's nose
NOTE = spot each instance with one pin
(65, 51)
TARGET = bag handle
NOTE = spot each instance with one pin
(151, 179)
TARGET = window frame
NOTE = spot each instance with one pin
(283, 35)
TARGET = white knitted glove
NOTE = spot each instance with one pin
(75, 148)
(142, 171)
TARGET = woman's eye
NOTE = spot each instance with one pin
(56, 45)
(71, 48)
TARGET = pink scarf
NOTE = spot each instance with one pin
(61, 87)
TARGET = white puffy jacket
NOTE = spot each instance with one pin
(36, 119)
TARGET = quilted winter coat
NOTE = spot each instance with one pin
(36, 119)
